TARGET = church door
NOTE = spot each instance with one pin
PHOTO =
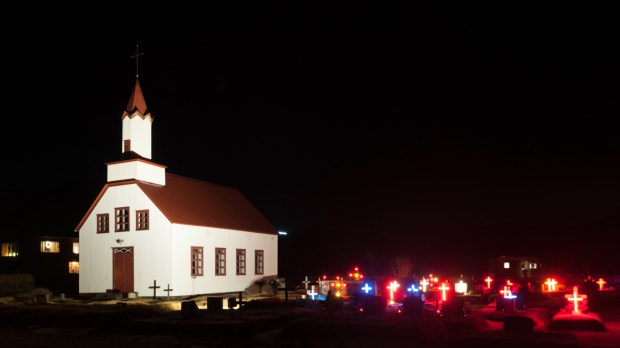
(123, 269)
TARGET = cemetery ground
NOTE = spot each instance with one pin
(269, 321)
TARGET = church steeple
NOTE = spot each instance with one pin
(137, 122)
(136, 101)
(136, 163)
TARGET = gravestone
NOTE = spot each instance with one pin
(189, 310)
(215, 303)
(413, 306)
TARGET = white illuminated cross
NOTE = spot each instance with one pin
(393, 286)
(443, 289)
(576, 299)
(424, 283)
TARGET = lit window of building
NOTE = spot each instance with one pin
(10, 249)
(48, 246)
(506, 264)
(76, 247)
(74, 267)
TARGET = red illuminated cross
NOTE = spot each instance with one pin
(424, 283)
(600, 283)
(392, 288)
(488, 280)
(551, 284)
(575, 299)
(443, 289)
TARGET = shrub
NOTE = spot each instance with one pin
(11, 284)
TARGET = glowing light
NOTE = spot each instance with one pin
(443, 289)
(412, 289)
(282, 233)
(393, 286)
(506, 291)
(424, 283)
(488, 280)
(312, 293)
(337, 293)
(366, 288)
(508, 282)
(356, 269)
(576, 299)
(600, 283)
(460, 287)
(551, 284)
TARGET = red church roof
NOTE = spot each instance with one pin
(136, 101)
(199, 203)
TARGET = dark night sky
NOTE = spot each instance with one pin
(461, 132)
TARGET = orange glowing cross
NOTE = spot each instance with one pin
(443, 289)
(600, 283)
(506, 291)
(551, 284)
(424, 283)
(392, 287)
(488, 280)
(575, 299)
(508, 282)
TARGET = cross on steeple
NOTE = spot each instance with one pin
(137, 56)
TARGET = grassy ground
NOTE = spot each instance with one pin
(267, 322)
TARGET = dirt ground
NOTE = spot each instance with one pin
(268, 322)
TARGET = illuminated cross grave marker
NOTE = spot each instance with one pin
(551, 284)
(443, 289)
(506, 291)
(488, 280)
(576, 299)
(460, 287)
(393, 286)
(312, 293)
(366, 288)
(424, 283)
(412, 289)
(601, 283)
(306, 282)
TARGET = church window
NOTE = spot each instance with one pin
(127, 145)
(197, 257)
(142, 220)
(74, 267)
(240, 261)
(220, 261)
(103, 223)
(47, 246)
(122, 219)
(259, 262)
(10, 249)
(76, 247)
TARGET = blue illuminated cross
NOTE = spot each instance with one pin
(366, 288)
(413, 289)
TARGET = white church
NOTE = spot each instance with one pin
(148, 228)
